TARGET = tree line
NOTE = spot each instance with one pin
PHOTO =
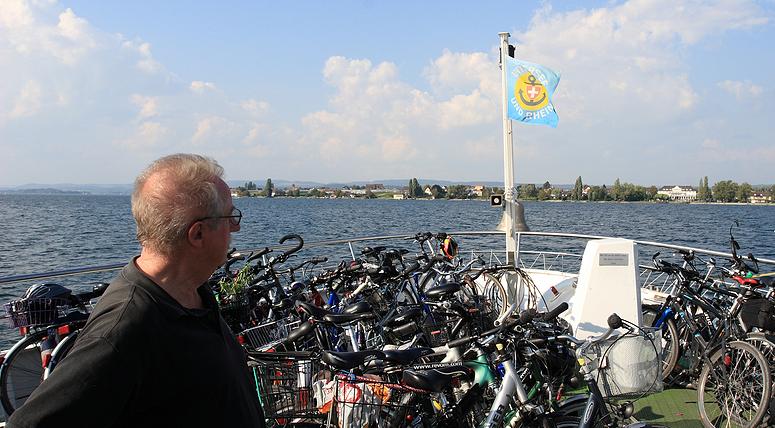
(721, 191)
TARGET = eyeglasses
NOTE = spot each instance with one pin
(234, 218)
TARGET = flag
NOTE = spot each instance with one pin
(529, 92)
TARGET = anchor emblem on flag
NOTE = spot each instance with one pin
(535, 91)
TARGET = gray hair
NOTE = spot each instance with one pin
(184, 189)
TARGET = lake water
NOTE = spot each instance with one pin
(45, 233)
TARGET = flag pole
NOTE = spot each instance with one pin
(512, 211)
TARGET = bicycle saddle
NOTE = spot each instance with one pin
(406, 356)
(347, 318)
(435, 379)
(303, 331)
(442, 291)
(349, 360)
(357, 308)
(369, 251)
(311, 310)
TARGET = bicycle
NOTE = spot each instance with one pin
(733, 377)
(45, 316)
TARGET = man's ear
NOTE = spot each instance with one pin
(195, 237)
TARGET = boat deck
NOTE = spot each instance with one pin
(675, 408)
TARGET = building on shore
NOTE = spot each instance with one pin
(679, 193)
(760, 198)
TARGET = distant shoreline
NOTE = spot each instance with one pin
(55, 192)
(552, 201)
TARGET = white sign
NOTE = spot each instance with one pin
(614, 259)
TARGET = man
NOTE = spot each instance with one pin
(155, 351)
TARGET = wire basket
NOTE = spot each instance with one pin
(269, 333)
(284, 383)
(482, 315)
(438, 328)
(235, 310)
(629, 366)
(32, 312)
(365, 402)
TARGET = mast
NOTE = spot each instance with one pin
(513, 219)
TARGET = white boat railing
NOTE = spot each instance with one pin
(479, 243)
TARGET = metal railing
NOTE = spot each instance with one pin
(564, 261)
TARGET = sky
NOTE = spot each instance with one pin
(651, 91)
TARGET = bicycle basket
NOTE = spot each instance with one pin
(284, 382)
(31, 312)
(758, 313)
(365, 402)
(437, 330)
(482, 315)
(629, 366)
(235, 310)
(269, 333)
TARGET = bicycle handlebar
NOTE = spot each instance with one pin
(554, 313)
(258, 254)
(96, 291)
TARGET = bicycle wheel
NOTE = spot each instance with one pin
(63, 347)
(405, 295)
(560, 422)
(495, 294)
(21, 371)
(432, 278)
(766, 345)
(734, 389)
(670, 348)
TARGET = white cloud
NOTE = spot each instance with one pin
(741, 90)
(484, 148)
(72, 26)
(725, 152)
(217, 131)
(468, 110)
(29, 100)
(199, 86)
(148, 105)
(255, 107)
(28, 29)
(16, 14)
(397, 148)
(146, 136)
(144, 57)
(711, 144)
(464, 72)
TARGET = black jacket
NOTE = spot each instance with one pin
(144, 360)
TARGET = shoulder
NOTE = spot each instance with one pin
(123, 314)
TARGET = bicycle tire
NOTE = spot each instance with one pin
(20, 373)
(766, 345)
(739, 397)
(562, 422)
(670, 348)
(493, 290)
(404, 295)
(429, 280)
(60, 351)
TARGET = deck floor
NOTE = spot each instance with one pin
(675, 408)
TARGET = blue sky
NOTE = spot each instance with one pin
(652, 92)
